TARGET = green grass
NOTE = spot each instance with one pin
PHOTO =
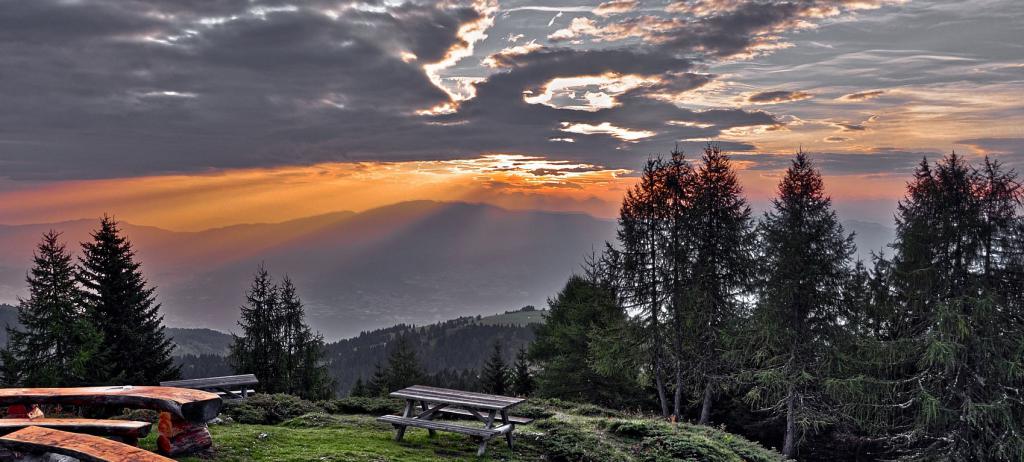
(331, 438)
(561, 437)
(516, 318)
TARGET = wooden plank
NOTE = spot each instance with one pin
(87, 448)
(445, 426)
(477, 400)
(100, 427)
(213, 382)
(463, 412)
(467, 394)
(188, 404)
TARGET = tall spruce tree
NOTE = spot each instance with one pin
(404, 368)
(305, 368)
(568, 349)
(122, 306)
(719, 235)
(522, 378)
(805, 258)
(945, 375)
(495, 375)
(56, 345)
(260, 350)
(642, 227)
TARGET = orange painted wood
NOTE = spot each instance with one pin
(122, 428)
(178, 437)
(87, 448)
(187, 404)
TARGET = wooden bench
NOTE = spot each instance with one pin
(86, 448)
(465, 413)
(228, 387)
(128, 431)
(184, 411)
(485, 433)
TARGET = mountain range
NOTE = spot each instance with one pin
(407, 263)
(412, 263)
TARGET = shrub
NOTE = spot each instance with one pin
(360, 405)
(314, 420)
(268, 408)
(636, 428)
(567, 442)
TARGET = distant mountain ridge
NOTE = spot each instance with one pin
(454, 345)
(413, 262)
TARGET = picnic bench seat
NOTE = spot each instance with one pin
(465, 413)
(129, 431)
(87, 448)
(195, 406)
(228, 387)
(444, 426)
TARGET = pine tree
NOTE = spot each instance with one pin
(642, 223)
(404, 369)
(522, 382)
(120, 304)
(495, 375)
(805, 266)
(260, 350)
(377, 386)
(944, 376)
(359, 389)
(56, 346)
(718, 267)
(577, 348)
(305, 371)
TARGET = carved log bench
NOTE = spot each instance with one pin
(127, 431)
(184, 410)
(86, 448)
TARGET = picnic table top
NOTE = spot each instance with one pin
(457, 397)
(187, 404)
(224, 381)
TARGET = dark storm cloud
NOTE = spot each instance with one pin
(102, 88)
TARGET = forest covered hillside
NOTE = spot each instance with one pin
(450, 348)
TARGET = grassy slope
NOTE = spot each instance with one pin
(566, 437)
(516, 318)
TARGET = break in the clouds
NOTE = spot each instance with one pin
(115, 88)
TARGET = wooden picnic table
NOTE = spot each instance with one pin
(227, 387)
(423, 403)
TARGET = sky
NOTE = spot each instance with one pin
(192, 114)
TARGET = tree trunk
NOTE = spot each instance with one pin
(705, 409)
(659, 383)
(789, 444)
(677, 402)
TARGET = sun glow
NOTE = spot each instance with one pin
(200, 201)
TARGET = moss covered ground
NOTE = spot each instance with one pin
(562, 432)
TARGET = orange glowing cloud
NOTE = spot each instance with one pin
(200, 201)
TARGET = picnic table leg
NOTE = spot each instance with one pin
(423, 404)
(504, 421)
(483, 443)
(406, 413)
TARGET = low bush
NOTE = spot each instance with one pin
(361, 405)
(268, 409)
(568, 442)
